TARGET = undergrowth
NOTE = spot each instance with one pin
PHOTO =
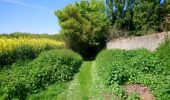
(120, 67)
(54, 66)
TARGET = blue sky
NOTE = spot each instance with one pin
(35, 16)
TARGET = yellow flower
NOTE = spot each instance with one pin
(9, 44)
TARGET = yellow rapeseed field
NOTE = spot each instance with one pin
(8, 44)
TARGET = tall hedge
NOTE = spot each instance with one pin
(54, 66)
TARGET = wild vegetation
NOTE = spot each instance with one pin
(13, 49)
(136, 17)
(84, 26)
(87, 25)
(44, 67)
(120, 67)
(54, 66)
(112, 70)
(57, 37)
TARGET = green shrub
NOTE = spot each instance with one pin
(163, 52)
(119, 66)
(137, 66)
(54, 66)
(24, 52)
(6, 58)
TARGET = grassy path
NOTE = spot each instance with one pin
(79, 88)
(98, 90)
(87, 85)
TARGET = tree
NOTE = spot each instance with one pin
(94, 13)
(111, 10)
(84, 26)
(149, 16)
(72, 23)
(137, 16)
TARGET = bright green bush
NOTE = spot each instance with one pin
(163, 52)
(120, 66)
(137, 66)
(54, 66)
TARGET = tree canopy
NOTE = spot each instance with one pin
(87, 24)
(84, 25)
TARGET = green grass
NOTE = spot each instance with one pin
(79, 88)
(85, 80)
(50, 94)
(98, 90)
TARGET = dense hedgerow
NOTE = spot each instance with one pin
(54, 66)
(13, 49)
(137, 66)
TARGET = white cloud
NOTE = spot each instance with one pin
(18, 2)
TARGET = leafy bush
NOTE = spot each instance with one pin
(137, 66)
(54, 66)
(163, 52)
(119, 66)
(13, 49)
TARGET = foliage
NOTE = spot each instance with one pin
(136, 66)
(84, 26)
(57, 37)
(113, 64)
(77, 89)
(12, 49)
(149, 16)
(54, 66)
(93, 12)
(118, 91)
(134, 96)
(70, 25)
(163, 50)
(53, 92)
(137, 17)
